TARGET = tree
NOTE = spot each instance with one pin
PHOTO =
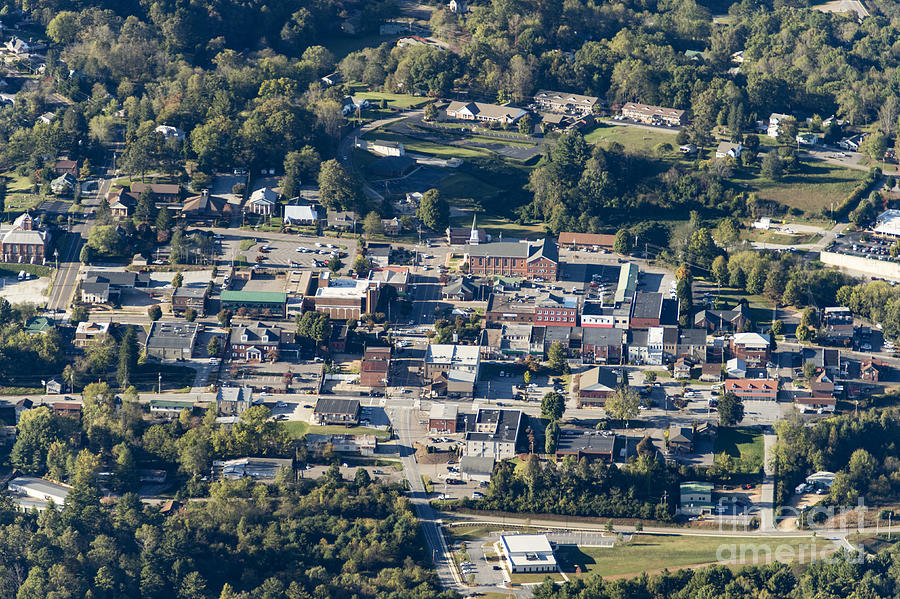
(622, 243)
(154, 312)
(177, 280)
(190, 314)
(804, 333)
(551, 434)
(433, 211)
(214, 347)
(86, 254)
(649, 377)
(809, 317)
(556, 358)
(552, 406)
(809, 370)
(104, 239)
(79, 314)
(731, 409)
(778, 327)
(526, 376)
(526, 125)
(144, 211)
(128, 357)
(875, 146)
(338, 189)
(372, 224)
(164, 221)
(646, 447)
(623, 404)
(431, 111)
(720, 270)
(334, 263)
(361, 266)
(299, 166)
(772, 167)
(36, 432)
(224, 318)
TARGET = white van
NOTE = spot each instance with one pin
(21, 275)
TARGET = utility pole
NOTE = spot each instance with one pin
(159, 387)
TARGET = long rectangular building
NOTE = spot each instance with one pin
(654, 115)
(525, 259)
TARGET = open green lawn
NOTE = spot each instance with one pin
(651, 553)
(417, 146)
(342, 45)
(298, 428)
(495, 226)
(741, 442)
(634, 139)
(462, 188)
(779, 238)
(811, 190)
(395, 100)
(18, 193)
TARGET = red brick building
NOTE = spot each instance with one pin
(752, 347)
(759, 389)
(556, 310)
(375, 370)
(524, 259)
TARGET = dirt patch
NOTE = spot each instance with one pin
(423, 456)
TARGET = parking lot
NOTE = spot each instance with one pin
(283, 253)
(864, 245)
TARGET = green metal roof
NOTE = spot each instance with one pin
(38, 324)
(269, 297)
(696, 487)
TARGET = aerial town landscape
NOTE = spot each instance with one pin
(502, 298)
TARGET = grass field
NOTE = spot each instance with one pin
(742, 442)
(651, 553)
(426, 147)
(634, 139)
(465, 187)
(298, 428)
(396, 100)
(811, 190)
(780, 238)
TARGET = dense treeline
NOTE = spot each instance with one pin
(325, 538)
(859, 448)
(582, 488)
(838, 577)
(876, 301)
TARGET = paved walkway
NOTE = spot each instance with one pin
(767, 504)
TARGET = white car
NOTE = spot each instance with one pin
(318, 245)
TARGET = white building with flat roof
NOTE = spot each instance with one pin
(31, 492)
(528, 553)
(888, 223)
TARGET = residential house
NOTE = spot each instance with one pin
(480, 111)
(775, 122)
(262, 201)
(65, 166)
(233, 401)
(870, 369)
(121, 203)
(680, 439)
(256, 342)
(46, 119)
(821, 396)
(602, 345)
(711, 373)
(18, 46)
(86, 332)
(727, 149)
(169, 408)
(38, 325)
(528, 260)
(565, 102)
(596, 385)
(495, 433)
(171, 340)
(681, 369)
(337, 411)
(853, 143)
(63, 184)
(718, 321)
(808, 139)
(332, 79)
(755, 348)
(458, 7)
(352, 104)
(189, 297)
(825, 359)
(375, 369)
(461, 290)
(837, 322)
(753, 389)
(654, 115)
(595, 241)
(391, 226)
(170, 132)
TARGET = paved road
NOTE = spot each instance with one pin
(67, 276)
(767, 505)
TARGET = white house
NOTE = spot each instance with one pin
(300, 215)
(775, 121)
(168, 132)
(852, 143)
(728, 150)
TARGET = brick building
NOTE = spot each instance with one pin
(525, 259)
(375, 370)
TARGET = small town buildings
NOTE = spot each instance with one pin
(262, 202)
(695, 498)
(837, 322)
(595, 241)
(336, 411)
(162, 193)
(853, 143)
(206, 206)
(495, 434)
(465, 236)
(170, 132)
(171, 340)
(233, 401)
(189, 297)
(736, 368)
(555, 310)
(259, 469)
(375, 369)
(711, 373)
(102, 286)
(36, 493)
(565, 102)
(476, 469)
(752, 347)
(444, 358)
(585, 443)
(775, 121)
(602, 345)
(345, 299)
(753, 389)
(259, 303)
(305, 215)
(386, 148)
(460, 290)
(524, 259)
(653, 310)
(528, 553)
(169, 408)
(825, 359)
(692, 344)
(86, 332)
(364, 445)
(735, 320)
(871, 369)
(65, 166)
(480, 111)
(442, 418)
(256, 342)
(654, 115)
(121, 203)
(63, 184)
(596, 385)
(681, 369)
(681, 439)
